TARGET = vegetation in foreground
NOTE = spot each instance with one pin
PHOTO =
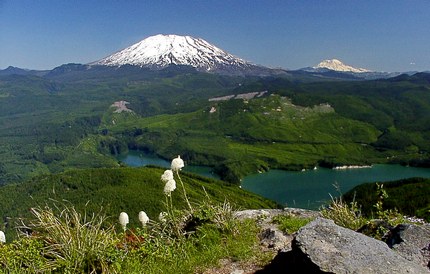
(184, 235)
(68, 242)
(409, 196)
(184, 239)
(116, 190)
(375, 223)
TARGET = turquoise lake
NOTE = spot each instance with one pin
(306, 189)
(310, 189)
(137, 158)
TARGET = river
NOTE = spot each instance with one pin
(306, 189)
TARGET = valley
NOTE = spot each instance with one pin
(306, 189)
(214, 137)
(64, 120)
(63, 133)
(78, 119)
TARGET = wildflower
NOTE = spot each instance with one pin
(177, 163)
(167, 176)
(123, 220)
(169, 187)
(162, 217)
(2, 237)
(143, 218)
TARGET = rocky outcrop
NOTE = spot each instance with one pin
(324, 247)
(339, 250)
(412, 242)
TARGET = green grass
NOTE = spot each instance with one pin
(201, 251)
(346, 214)
(91, 248)
(68, 239)
(290, 224)
(352, 213)
(72, 221)
(115, 189)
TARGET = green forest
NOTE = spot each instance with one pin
(64, 120)
(62, 131)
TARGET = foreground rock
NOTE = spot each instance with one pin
(322, 246)
(271, 237)
(411, 242)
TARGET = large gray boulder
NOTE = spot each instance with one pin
(412, 242)
(339, 250)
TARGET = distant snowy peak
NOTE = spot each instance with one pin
(163, 50)
(337, 65)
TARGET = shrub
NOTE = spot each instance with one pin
(23, 256)
(349, 215)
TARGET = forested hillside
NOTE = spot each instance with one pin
(114, 190)
(63, 119)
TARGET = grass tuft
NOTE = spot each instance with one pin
(289, 223)
(74, 242)
(344, 214)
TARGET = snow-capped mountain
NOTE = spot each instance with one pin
(160, 51)
(334, 68)
(337, 65)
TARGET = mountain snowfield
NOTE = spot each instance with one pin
(337, 65)
(160, 51)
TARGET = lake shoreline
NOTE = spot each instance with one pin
(309, 188)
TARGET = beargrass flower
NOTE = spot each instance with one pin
(177, 163)
(167, 176)
(162, 217)
(123, 220)
(169, 187)
(143, 218)
(2, 237)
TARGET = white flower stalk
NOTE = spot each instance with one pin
(169, 187)
(177, 163)
(167, 176)
(143, 218)
(2, 237)
(123, 220)
(162, 217)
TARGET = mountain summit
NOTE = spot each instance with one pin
(160, 51)
(336, 65)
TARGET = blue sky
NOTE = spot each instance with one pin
(378, 35)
